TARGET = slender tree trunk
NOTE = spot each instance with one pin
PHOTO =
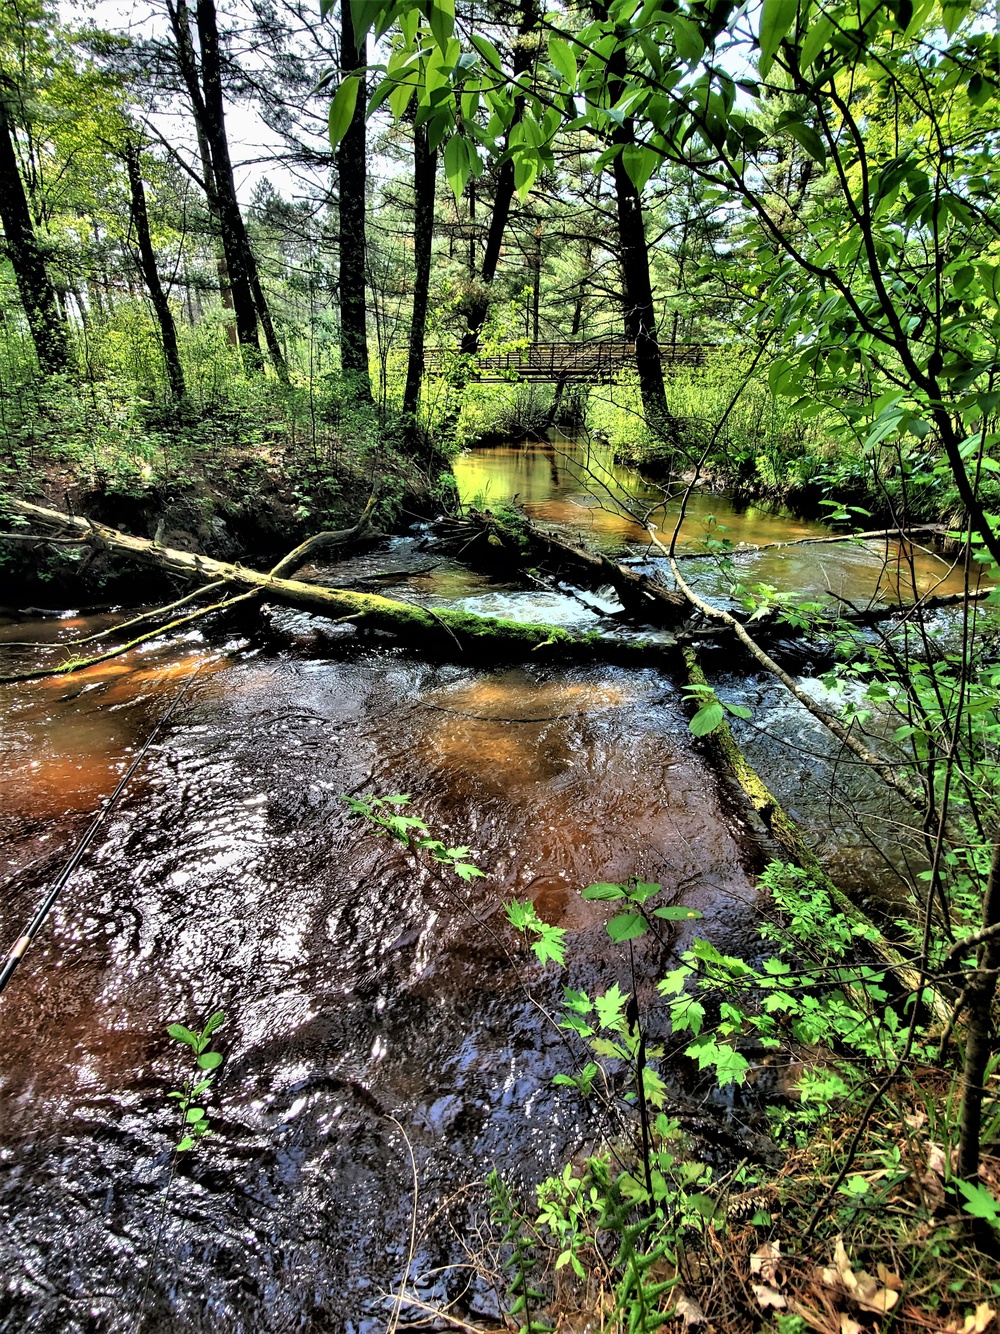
(209, 113)
(352, 172)
(37, 294)
(147, 264)
(221, 267)
(637, 295)
(504, 195)
(264, 311)
(536, 285)
(639, 316)
(424, 182)
(980, 991)
(233, 231)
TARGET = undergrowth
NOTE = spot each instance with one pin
(863, 1223)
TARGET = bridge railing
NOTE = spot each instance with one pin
(594, 361)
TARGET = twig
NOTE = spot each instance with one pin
(123, 625)
(398, 1306)
(72, 666)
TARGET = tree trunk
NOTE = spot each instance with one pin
(980, 991)
(638, 312)
(37, 294)
(424, 182)
(504, 195)
(146, 261)
(352, 172)
(233, 231)
(221, 268)
(263, 310)
(637, 306)
(209, 113)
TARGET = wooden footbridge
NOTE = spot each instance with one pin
(561, 363)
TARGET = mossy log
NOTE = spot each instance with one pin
(788, 837)
(439, 631)
(638, 593)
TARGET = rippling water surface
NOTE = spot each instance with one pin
(372, 1007)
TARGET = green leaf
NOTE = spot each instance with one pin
(551, 945)
(210, 1060)
(777, 17)
(687, 1014)
(520, 915)
(563, 60)
(577, 1000)
(466, 871)
(809, 139)
(186, 1143)
(818, 34)
(676, 912)
(604, 892)
(441, 17)
(609, 1008)
(640, 163)
(195, 1114)
(402, 92)
(627, 926)
(687, 39)
(183, 1034)
(216, 1021)
(342, 108)
(525, 171)
(980, 1203)
(487, 50)
(707, 719)
(643, 890)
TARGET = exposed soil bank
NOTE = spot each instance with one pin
(252, 514)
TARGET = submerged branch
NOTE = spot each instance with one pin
(81, 664)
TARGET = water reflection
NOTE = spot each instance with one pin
(579, 486)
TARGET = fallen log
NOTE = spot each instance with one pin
(437, 631)
(788, 837)
(637, 592)
(314, 546)
(891, 775)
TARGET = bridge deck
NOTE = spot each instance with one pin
(566, 362)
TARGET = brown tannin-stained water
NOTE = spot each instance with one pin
(357, 988)
(362, 994)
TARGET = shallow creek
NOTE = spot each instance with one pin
(365, 998)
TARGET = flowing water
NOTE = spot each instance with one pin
(374, 1010)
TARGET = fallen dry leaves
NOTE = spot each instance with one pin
(861, 1288)
(766, 1264)
(975, 1323)
(689, 1311)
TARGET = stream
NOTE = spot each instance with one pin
(372, 1008)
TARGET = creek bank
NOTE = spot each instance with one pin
(252, 513)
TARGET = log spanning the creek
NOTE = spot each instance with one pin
(637, 592)
(440, 631)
